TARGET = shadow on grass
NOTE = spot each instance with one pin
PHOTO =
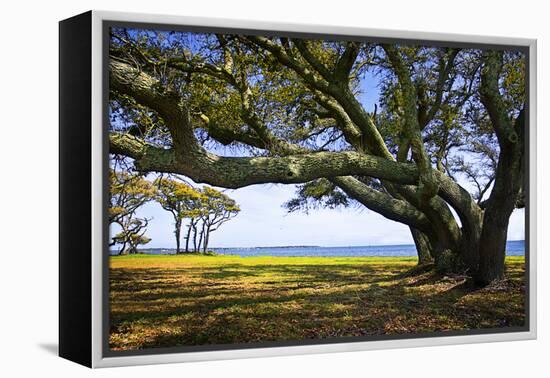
(240, 303)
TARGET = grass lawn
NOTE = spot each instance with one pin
(166, 301)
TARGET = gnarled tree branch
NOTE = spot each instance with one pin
(492, 99)
(428, 185)
(236, 172)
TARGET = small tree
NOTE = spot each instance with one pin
(132, 235)
(181, 200)
(217, 208)
(128, 193)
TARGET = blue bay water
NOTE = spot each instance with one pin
(513, 248)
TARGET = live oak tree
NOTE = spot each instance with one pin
(131, 235)
(216, 209)
(207, 209)
(182, 201)
(293, 109)
(128, 192)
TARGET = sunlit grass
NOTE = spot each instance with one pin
(165, 301)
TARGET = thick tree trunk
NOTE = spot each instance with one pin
(469, 247)
(423, 247)
(509, 173)
(492, 248)
(508, 183)
(501, 203)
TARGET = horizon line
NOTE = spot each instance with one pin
(314, 246)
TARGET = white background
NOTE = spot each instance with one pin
(28, 211)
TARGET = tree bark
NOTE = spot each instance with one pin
(384, 204)
(423, 247)
(501, 203)
(509, 173)
(236, 172)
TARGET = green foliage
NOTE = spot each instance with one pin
(132, 235)
(232, 86)
(128, 192)
(208, 206)
(216, 209)
(217, 203)
(513, 81)
(132, 238)
(314, 194)
(181, 199)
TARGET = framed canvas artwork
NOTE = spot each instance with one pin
(234, 189)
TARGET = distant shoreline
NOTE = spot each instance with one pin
(311, 246)
(513, 248)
